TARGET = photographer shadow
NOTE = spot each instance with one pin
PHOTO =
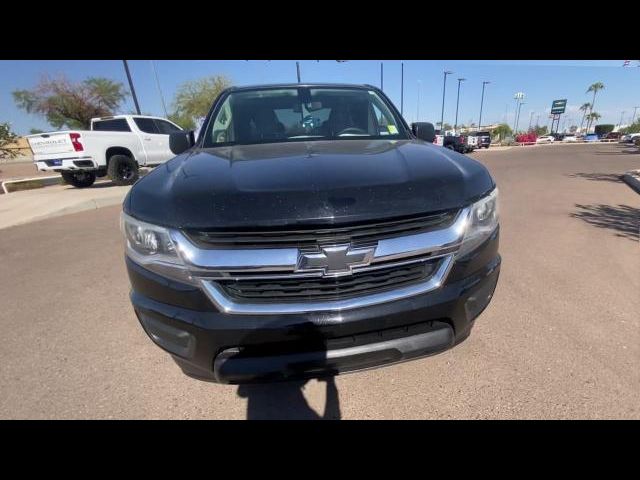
(286, 401)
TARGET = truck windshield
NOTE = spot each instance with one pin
(301, 114)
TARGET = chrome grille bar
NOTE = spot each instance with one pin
(201, 260)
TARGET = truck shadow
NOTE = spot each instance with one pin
(622, 219)
(598, 177)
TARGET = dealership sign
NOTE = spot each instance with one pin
(558, 107)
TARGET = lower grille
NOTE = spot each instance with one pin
(359, 284)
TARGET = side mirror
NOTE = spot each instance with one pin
(424, 131)
(181, 141)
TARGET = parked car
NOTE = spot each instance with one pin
(484, 139)
(457, 143)
(591, 137)
(546, 139)
(263, 254)
(116, 146)
(629, 138)
(570, 139)
(613, 136)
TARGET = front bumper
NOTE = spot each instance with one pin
(220, 347)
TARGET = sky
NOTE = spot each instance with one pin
(540, 81)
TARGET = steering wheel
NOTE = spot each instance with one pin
(355, 130)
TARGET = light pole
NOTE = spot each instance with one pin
(481, 103)
(518, 98)
(530, 120)
(518, 117)
(634, 114)
(621, 115)
(444, 89)
(133, 92)
(455, 127)
(164, 107)
(537, 120)
(298, 70)
(401, 88)
(418, 105)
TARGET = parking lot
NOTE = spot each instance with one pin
(561, 338)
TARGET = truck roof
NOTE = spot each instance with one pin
(304, 85)
(111, 117)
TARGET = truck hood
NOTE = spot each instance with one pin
(319, 182)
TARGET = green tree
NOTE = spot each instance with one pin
(7, 137)
(502, 131)
(595, 88)
(584, 107)
(593, 116)
(446, 126)
(35, 131)
(67, 104)
(194, 98)
(633, 128)
(540, 130)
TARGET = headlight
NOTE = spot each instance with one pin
(482, 221)
(152, 247)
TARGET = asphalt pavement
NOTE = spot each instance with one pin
(561, 338)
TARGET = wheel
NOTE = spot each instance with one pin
(123, 170)
(79, 179)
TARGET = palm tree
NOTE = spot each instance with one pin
(594, 87)
(584, 107)
(591, 118)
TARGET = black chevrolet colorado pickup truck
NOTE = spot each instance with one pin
(273, 247)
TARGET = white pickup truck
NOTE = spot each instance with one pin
(116, 146)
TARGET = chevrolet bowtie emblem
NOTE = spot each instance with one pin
(335, 259)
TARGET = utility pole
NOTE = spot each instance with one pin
(444, 89)
(381, 76)
(455, 128)
(155, 73)
(481, 103)
(298, 70)
(634, 114)
(401, 88)
(133, 92)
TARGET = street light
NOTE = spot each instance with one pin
(634, 114)
(518, 98)
(530, 119)
(133, 92)
(455, 127)
(401, 88)
(481, 102)
(621, 115)
(418, 105)
(444, 89)
(518, 117)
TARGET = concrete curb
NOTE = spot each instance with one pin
(632, 178)
(41, 181)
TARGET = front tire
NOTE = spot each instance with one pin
(123, 170)
(79, 179)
